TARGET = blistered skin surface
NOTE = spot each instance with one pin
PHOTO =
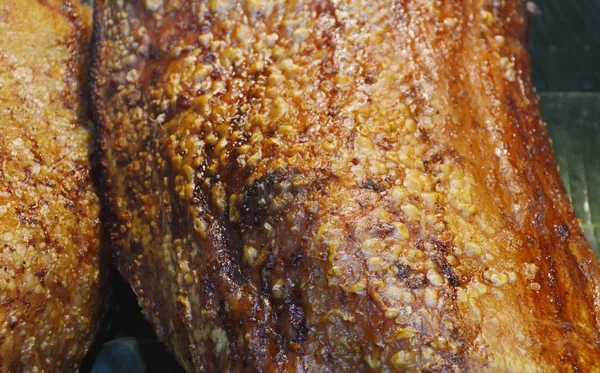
(49, 213)
(340, 186)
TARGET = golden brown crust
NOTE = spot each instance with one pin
(340, 186)
(49, 212)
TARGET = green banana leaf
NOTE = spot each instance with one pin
(573, 120)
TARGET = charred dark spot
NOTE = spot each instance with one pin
(153, 52)
(383, 230)
(456, 359)
(412, 278)
(209, 58)
(246, 274)
(183, 103)
(296, 260)
(41, 273)
(25, 218)
(239, 119)
(431, 160)
(538, 219)
(215, 74)
(436, 158)
(440, 246)
(208, 285)
(206, 23)
(416, 282)
(449, 274)
(155, 76)
(370, 77)
(404, 270)
(371, 184)
(271, 261)
(246, 360)
(568, 326)
(12, 323)
(343, 298)
(123, 160)
(112, 87)
(298, 321)
(563, 231)
(136, 246)
(257, 197)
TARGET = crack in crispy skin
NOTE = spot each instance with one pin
(50, 260)
(339, 186)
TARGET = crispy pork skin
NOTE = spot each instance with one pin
(49, 213)
(340, 186)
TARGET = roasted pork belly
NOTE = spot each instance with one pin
(339, 186)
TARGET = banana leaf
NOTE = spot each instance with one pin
(573, 120)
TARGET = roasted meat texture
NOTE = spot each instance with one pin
(49, 213)
(340, 186)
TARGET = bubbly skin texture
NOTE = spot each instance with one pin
(50, 255)
(340, 186)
